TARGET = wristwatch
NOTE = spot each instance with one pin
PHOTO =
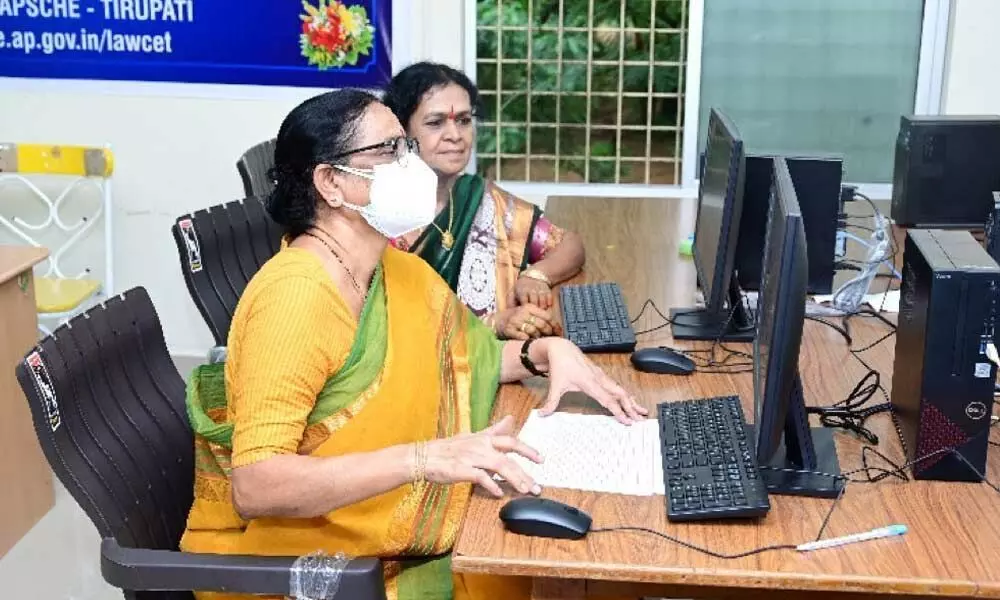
(537, 276)
(526, 360)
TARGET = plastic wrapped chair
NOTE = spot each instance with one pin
(108, 408)
(60, 295)
(254, 166)
(220, 249)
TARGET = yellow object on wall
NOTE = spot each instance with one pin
(52, 159)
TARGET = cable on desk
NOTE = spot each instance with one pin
(642, 310)
(708, 365)
(845, 266)
(880, 473)
(695, 547)
(898, 471)
(722, 367)
(666, 320)
(850, 413)
(848, 264)
(723, 555)
(841, 330)
(873, 474)
(875, 343)
(870, 312)
(976, 471)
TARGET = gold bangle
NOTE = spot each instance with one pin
(419, 463)
(537, 276)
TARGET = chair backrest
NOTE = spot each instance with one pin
(254, 166)
(220, 249)
(108, 408)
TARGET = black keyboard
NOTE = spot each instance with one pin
(595, 317)
(709, 464)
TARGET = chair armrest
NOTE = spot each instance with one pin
(137, 569)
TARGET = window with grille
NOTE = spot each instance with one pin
(581, 90)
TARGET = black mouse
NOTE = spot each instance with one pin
(539, 517)
(662, 360)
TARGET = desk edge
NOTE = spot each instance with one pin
(725, 578)
(31, 257)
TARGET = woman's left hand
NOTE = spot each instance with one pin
(532, 291)
(571, 371)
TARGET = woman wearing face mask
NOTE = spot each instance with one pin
(499, 253)
(351, 414)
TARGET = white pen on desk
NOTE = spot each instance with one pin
(874, 534)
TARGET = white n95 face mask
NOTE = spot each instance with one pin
(403, 195)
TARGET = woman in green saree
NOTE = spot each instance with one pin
(499, 253)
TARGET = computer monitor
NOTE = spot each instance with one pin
(720, 198)
(793, 458)
(817, 180)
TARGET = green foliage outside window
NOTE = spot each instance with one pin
(512, 80)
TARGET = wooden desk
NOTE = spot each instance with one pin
(952, 548)
(24, 472)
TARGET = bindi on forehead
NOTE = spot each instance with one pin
(451, 113)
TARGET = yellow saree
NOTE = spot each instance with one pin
(420, 367)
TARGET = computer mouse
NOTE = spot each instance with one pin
(540, 517)
(663, 361)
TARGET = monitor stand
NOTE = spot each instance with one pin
(701, 324)
(805, 463)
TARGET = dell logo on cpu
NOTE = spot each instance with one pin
(976, 411)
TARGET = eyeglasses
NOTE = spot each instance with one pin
(398, 146)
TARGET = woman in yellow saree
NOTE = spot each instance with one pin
(499, 253)
(351, 414)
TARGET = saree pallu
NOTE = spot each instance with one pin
(496, 236)
(421, 367)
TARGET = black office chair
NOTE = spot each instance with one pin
(253, 167)
(108, 408)
(220, 249)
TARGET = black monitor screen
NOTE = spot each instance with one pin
(719, 198)
(780, 313)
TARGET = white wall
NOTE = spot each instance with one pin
(972, 79)
(176, 149)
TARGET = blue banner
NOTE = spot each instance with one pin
(310, 43)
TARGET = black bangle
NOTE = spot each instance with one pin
(526, 361)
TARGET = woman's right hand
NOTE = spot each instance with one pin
(526, 321)
(475, 457)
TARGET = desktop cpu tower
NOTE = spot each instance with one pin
(942, 380)
(991, 234)
(946, 170)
